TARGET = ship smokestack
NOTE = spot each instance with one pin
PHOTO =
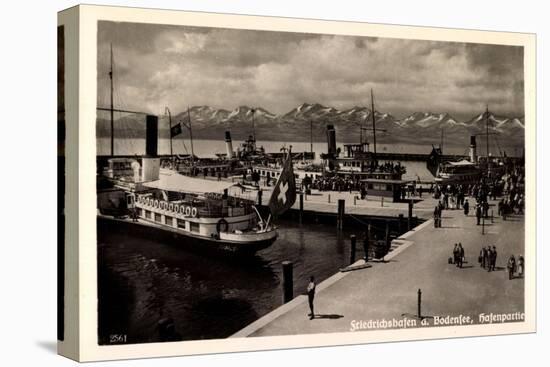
(331, 140)
(151, 135)
(151, 161)
(228, 145)
(473, 152)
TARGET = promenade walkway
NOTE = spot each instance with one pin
(388, 290)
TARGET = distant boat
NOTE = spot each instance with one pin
(461, 172)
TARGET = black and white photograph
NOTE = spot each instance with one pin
(256, 183)
(271, 183)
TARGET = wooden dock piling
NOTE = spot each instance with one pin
(353, 241)
(259, 197)
(388, 235)
(301, 207)
(341, 213)
(288, 281)
(366, 247)
(409, 222)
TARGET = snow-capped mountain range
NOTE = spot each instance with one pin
(295, 125)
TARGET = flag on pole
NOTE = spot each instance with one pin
(284, 193)
(175, 130)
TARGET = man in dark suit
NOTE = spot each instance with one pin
(311, 296)
(460, 255)
(494, 261)
(489, 258)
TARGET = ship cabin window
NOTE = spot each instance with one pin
(168, 221)
(194, 227)
(130, 199)
(140, 212)
(181, 224)
(157, 217)
(147, 214)
(369, 186)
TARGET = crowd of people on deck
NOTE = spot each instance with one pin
(350, 182)
(336, 183)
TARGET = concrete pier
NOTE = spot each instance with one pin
(418, 260)
(326, 202)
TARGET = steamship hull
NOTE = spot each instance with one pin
(458, 179)
(175, 237)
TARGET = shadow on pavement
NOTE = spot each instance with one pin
(328, 316)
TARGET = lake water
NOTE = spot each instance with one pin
(143, 279)
(209, 148)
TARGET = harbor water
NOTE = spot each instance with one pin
(143, 279)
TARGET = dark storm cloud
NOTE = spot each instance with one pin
(174, 66)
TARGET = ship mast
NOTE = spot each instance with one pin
(487, 130)
(191, 137)
(167, 111)
(373, 122)
(112, 106)
(311, 136)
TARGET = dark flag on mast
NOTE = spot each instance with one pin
(284, 193)
(175, 130)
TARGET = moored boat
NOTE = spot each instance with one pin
(198, 211)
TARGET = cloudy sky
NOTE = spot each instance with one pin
(174, 66)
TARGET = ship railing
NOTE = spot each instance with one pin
(191, 208)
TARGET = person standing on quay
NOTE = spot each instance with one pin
(494, 260)
(489, 258)
(460, 255)
(521, 266)
(483, 257)
(478, 213)
(456, 254)
(466, 207)
(311, 296)
(511, 267)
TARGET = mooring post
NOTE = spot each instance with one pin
(354, 200)
(341, 213)
(410, 214)
(382, 201)
(288, 281)
(301, 206)
(419, 303)
(388, 235)
(366, 246)
(353, 240)
(259, 197)
(401, 220)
